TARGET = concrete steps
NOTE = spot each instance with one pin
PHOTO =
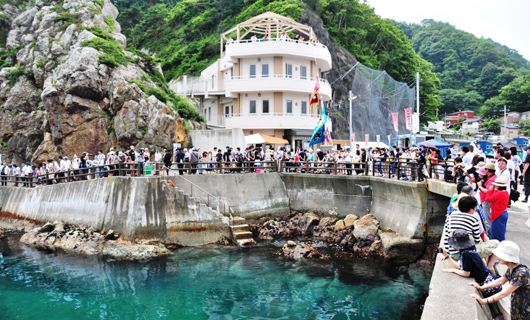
(241, 234)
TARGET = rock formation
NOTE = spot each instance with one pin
(72, 87)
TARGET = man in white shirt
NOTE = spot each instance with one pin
(467, 157)
(503, 171)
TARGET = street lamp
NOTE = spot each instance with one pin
(351, 98)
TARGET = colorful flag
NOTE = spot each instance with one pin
(366, 139)
(408, 118)
(395, 121)
(315, 99)
(353, 137)
(319, 133)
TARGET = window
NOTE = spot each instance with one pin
(303, 72)
(304, 107)
(209, 113)
(213, 81)
(288, 70)
(265, 106)
(231, 73)
(252, 106)
(227, 111)
(289, 106)
(264, 70)
(252, 71)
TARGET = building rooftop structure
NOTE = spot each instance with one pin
(264, 79)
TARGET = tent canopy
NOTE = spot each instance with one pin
(362, 144)
(259, 138)
(438, 144)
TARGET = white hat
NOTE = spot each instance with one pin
(500, 182)
(507, 251)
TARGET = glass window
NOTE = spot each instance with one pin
(227, 111)
(303, 72)
(252, 71)
(265, 106)
(289, 106)
(288, 70)
(304, 107)
(252, 106)
(265, 70)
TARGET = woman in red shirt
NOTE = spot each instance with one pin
(498, 197)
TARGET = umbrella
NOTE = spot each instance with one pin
(427, 144)
(259, 138)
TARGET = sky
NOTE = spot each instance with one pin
(504, 21)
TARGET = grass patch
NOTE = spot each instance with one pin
(113, 53)
(13, 75)
(40, 64)
(66, 17)
(96, 10)
(110, 23)
(100, 2)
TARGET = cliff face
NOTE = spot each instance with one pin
(61, 95)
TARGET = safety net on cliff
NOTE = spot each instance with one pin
(378, 96)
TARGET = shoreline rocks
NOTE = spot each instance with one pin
(82, 240)
(362, 236)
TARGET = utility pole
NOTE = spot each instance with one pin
(351, 98)
(417, 102)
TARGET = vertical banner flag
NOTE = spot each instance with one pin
(408, 118)
(315, 96)
(395, 121)
(319, 133)
(415, 123)
(366, 138)
(353, 137)
(378, 139)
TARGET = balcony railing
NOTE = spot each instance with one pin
(309, 42)
(272, 114)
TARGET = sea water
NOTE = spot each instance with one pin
(205, 283)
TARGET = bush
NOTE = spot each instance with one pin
(19, 71)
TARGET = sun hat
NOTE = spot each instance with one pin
(507, 251)
(490, 166)
(480, 164)
(461, 239)
(500, 182)
(482, 171)
(457, 200)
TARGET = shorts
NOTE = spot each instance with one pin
(484, 249)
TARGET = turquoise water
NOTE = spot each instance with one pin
(205, 283)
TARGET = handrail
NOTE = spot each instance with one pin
(225, 205)
(271, 114)
(254, 41)
(275, 76)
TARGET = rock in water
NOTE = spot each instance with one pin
(398, 249)
(365, 230)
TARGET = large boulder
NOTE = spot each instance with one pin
(273, 229)
(398, 249)
(365, 230)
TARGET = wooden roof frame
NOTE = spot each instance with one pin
(269, 24)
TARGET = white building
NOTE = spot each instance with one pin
(264, 80)
(471, 125)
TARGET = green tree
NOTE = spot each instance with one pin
(492, 125)
(516, 96)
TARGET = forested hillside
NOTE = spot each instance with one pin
(184, 35)
(473, 71)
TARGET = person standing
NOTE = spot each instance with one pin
(483, 187)
(194, 160)
(526, 175)
(180, 160)
(498, 197)
(3, 175)
(168, 158)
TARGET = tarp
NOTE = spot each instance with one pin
(372, 145)
(438, 144)
(259, 138)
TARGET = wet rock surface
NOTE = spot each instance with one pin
(362, 237)
(82, 240)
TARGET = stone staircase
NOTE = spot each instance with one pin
(241, 235)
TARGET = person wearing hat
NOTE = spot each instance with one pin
(498, 197)
(471, 264)
(483, 186)
(516, 281)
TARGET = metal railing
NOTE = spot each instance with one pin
(251, 41)
(402, 169)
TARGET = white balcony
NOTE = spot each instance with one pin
(271, 121)
(276, 83)
(277, 47)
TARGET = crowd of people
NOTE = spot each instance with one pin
(474, 238)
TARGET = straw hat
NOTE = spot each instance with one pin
(457, 200)
(480, 164)
(507, 251)
(500, 182)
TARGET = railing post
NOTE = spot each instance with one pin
(373, 168)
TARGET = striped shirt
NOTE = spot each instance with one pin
(463, 221)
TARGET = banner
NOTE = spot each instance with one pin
(415, 123)
(353, 138)
(408, 118)
(319, 133)
(395, 121)
(366, 139)
(378, 139)
(315, 96)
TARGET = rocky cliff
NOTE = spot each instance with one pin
(68, 85)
